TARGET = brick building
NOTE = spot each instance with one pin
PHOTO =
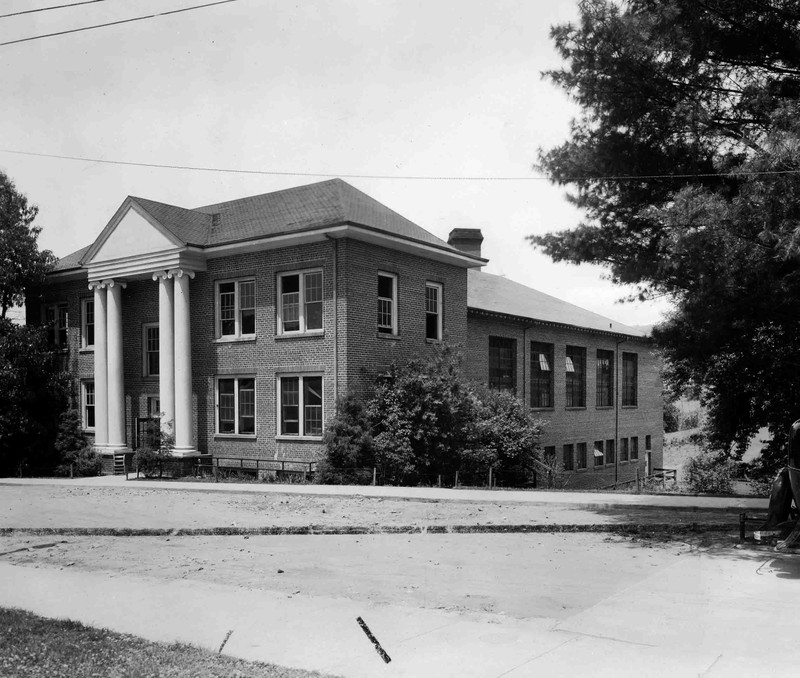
(240, 323)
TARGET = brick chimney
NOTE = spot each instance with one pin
(468, 240)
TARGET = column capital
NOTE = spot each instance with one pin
(109, 283)
(161, 275)
(96, 285)
(180, 273)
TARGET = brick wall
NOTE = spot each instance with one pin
(586, 424)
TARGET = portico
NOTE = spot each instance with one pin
(134, 247)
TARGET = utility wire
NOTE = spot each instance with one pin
(116, 23)
(47, 9)
(416, 177)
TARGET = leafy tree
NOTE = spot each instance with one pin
(22, 265)
(686, 162)
(33, 394)
(423, 419)
(73, 448)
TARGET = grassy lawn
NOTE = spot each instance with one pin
(49, 648)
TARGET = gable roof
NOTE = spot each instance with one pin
(70, 261)
(495, 294)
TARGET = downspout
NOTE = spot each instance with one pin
(335, 324)
(618, 395)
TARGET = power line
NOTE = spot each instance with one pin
(47, 9)
(417, 177)
(116, 23)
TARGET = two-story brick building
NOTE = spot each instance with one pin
(241, 322)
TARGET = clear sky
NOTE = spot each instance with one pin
(400, 88)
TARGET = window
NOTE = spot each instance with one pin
(624, 454)
(576, 376)
(153, 407)
(150, 352)
(634, 448)
(648, 443)
(611, 456)
(630, 376)
(599, 457)
(236, 405)
(387, 303)
(503, 363)
(300, 405)
(569, 459)
(433, 311)
(300, 302)
(581, 456)
(87, 323)
(236, 308)
(56, 320)
(541, 375)
(87, 403)
(605, 378)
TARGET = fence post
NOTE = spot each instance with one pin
(215, 463)
(440, 480)
(638, 489)
(374, 475)
(456, 483)
(71, 466)
(490, 477)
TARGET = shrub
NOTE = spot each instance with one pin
(671, 417)
(74, 451)
(349, 454)
(709, 473)
(690, 421)
(156, 449)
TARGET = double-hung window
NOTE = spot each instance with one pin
(569, 457)
(387, 303)
(56, 320)
(611, 456)
(503, 363)
(599, 455)
(236, 405)
(87, 404)
(581, 456)
(576, 376)
(87, 323)
(433, 311)
(150, 350)
(541, 375)
(630, 378)
(605, 378)
(299, 302)
(623, 449)
(300, 405)
(635, 448)
(236, 308)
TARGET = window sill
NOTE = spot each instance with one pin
(604, 407)
(384, 335)
(629, 407)
(235, 436)
(87, 349)
(432, 341)
(542, 409)
(302, 439)
(233, 340)
(575, 409)
(299, 335)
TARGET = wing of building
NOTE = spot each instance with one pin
(241, 322)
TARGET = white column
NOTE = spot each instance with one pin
(166, 351)
(116, 373)
(184, 443)
(100, 366)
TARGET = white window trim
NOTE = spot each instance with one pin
(440, 312)
(236, 378)
(393, 276)
(301, 273)
(84, 422)
(301, 404)
(237, 335)
(145, 364)
(85, 346)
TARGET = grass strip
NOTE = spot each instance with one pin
(37, 647)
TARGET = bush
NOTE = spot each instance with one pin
(425, 419)
(672, 417)
(74, 451)
(690, 421)
(710, 473)
(155, 450)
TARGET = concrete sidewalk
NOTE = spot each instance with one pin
(712, 615)
(595, 500)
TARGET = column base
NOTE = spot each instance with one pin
(184, 452)
(113, 449)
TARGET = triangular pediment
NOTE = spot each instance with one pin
(131, 233)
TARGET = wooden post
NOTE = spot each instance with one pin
(440, 480)
(456, 483)
(374, 475)
(216, 469)
(638, 488)
(490, 477)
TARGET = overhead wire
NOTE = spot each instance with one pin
(115, 23)
(47, 9)
(412, 177)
